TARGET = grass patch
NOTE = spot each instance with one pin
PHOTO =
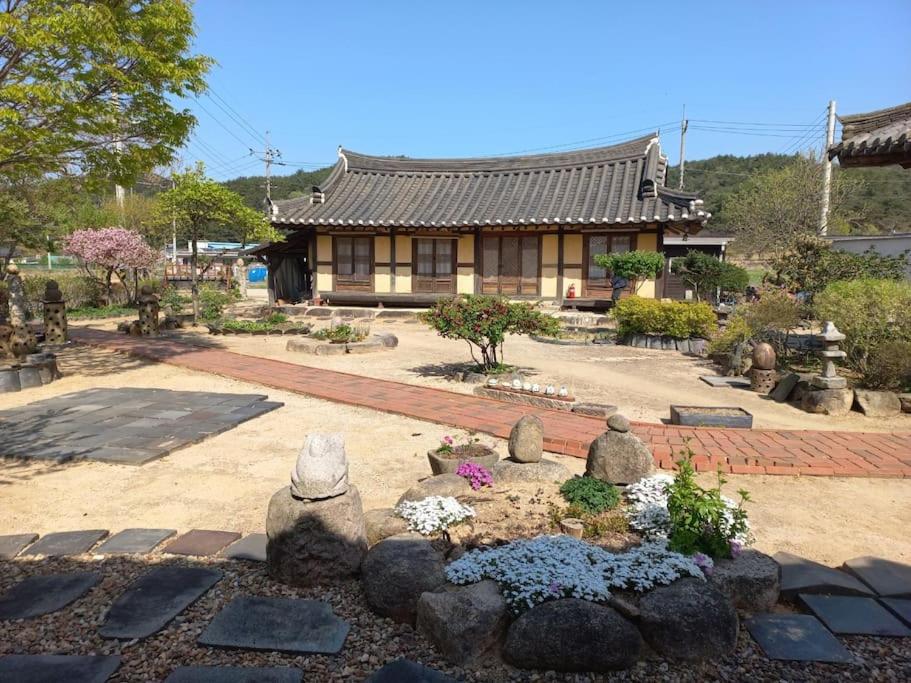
(93, 312)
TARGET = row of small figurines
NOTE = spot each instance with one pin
(549, 390)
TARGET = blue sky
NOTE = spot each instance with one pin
(472, 78)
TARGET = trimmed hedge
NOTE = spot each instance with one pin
(677, 319)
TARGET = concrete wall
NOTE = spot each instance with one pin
(887, 245)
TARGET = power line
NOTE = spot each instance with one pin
(590, 140)
(752, 123)
(232, 113)
(796, 144)
(218, 121)
(743, 132)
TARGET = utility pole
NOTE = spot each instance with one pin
(119, 193)
(173, 225)
(827, 171)
(268, 157)
(684, 124)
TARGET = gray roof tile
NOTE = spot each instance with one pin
(877, 137)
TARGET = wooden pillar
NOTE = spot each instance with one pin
(477, 260)
(392, 232)
(560, 292)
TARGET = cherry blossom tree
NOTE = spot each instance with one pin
(112, 251)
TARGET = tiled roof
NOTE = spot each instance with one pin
(621, 184)
(876, 138)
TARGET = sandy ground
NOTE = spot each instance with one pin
(226, 481)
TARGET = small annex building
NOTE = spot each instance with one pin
(402, 231)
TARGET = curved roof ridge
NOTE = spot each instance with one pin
(580, 157)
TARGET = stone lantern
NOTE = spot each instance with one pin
(148, 311)
(829, 379)
(55, 326)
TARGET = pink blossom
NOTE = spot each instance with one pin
(111, 248)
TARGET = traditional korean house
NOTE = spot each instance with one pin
(401, 231)
(877, 138)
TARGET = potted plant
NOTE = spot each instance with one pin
(447, 458)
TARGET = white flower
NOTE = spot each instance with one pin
(433, 514)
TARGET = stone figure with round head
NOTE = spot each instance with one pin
(322, 467)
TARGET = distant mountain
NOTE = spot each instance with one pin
(253, 188)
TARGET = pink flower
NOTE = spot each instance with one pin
(704, 562)
(111, 248)
(448, 440)
(736, 548)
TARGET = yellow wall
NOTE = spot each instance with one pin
(323, 272)
(465, 275)
(572, 249)
(382, 281)
(403, 279)
(381, 249)
(647, 243)
(549, 254)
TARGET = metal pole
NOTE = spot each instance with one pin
(827, 172)
(684, 124)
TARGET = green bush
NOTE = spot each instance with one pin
(212, 301)
(79, 291)
(484, 321)
(678, 319)
(341, 334)
(633, 265)
(92, 312)
(737, 331)
(173, 301)
(705, 273)
(869, 313)
(889, 366)
(590, 494)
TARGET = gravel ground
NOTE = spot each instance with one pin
(371, 642)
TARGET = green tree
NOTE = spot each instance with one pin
(705, 273)
(78, 77)
(199, 205)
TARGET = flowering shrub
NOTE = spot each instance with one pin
(476, 475)
(552, 567)
(647, 511)
(590, 494)
(433, 514)
(446, 444)
(113, 250)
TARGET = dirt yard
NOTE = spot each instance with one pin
(225, 482)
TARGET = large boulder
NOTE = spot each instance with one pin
(877, 403)
(689, 619)
(383, 523)
(834, 402)
(785, 386)
(905, 401)
(751, 580)
(440, 485)
(526, 440)
(310, 542)
(512, 472)
(321, 470)
(572, 635)
(465, 623)
(619, 458)
(397, 571)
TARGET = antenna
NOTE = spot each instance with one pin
(684, 124)
(268, 156)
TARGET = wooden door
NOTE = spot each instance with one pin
(596, 281)
(434, 265)
(510, 265)
(353, 263)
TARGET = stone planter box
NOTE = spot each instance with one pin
(216, 329)
(441, 464)
(540, 400)
(711, 416)
(694, 345)
(39, 369)
(316, 347)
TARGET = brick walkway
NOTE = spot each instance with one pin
(756, 451)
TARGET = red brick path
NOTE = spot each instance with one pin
(756, 451)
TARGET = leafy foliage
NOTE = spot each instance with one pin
(79, 291)
(736, 332)
(888, 366)
(94, 313)
(701, 521)
(213, 300)
(590, 494)
(484, 321)
(869, 313)
(341, 334)
(705, 273)
(632, 265)
(283, 187)
(677, 319)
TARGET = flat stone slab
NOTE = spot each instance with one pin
(66, 543)
(799, 575)
(13, 544)
(250, 547)
(406, 671)
(39, 595)
(134, 541)
(796, 638)
(235, 674)
(899, 607)
(201, 542)
(277, 624)
(718, 381)
(854, 616)
(122, 425)
(52, 668)
(889, 579)
(154, 599)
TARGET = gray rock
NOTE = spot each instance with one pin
(63, 543)
(877, 403)
(383, 523)
(251, 547)
(800, 575)
(389, 340)
(474, 378)
(601, 410)
(887, 577)
(751, 580)
(235, 674)
(828, 401)
(322, 467)
(310, 542)
(690, 619)
(785, 386)
(683, 345)
(53, 668)
(699, 347)
(618, 423)
(134, 541)
(440, 485)
(905, 401)
(465, 623)
(796, 637)
(405, 671)
(619, 458)
(38, 595)
(510, 471)
(526, 440)
(13, 544)
(368, 346)
(397, 571)
(572, 635)
(851, 615)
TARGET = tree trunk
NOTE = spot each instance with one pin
(11, 249)
(194, 286)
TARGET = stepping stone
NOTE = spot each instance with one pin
(134, 541)
(899, 607)
(201, 542)
(252, 547)
(235, 674)
(796, 638)
(889, 579)
(281, 624)
(799, 575)
(48, 668)
(154, 599)
(406, 671)
(66, 543)
(719, 381)
(854, 616)
(39, 595)
(12, 545)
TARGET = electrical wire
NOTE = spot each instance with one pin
(238, 118)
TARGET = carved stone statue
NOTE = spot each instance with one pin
(322, 467)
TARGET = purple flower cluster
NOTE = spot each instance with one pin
(476, 475)
(704, 562)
